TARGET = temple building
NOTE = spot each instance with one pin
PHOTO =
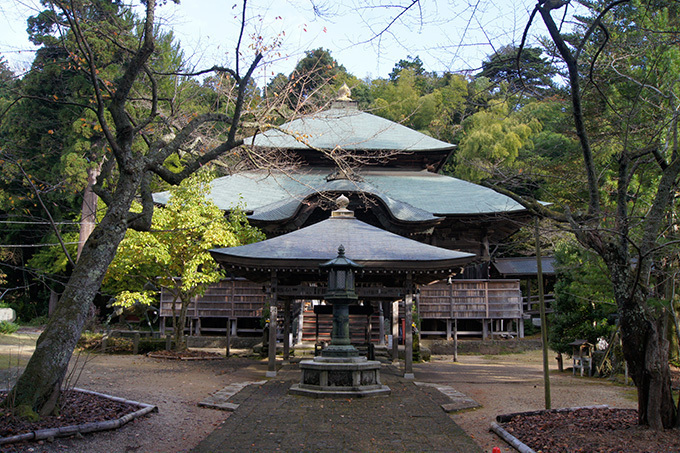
(393, 186)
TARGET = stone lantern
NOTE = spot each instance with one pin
(340, 371)
(340, 293)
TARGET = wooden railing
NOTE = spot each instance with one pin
(531, 303)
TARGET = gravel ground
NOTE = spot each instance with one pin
(501, 384)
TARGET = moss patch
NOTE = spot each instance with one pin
(26, 412)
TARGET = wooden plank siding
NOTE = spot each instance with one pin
(238, 298)
(358, 326)
(471, 299)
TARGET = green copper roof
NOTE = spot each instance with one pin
(411, 196)
(348, 128)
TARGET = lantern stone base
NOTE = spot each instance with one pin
(331, 377)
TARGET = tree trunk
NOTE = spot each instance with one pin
(645, 349)
(88, 216)
(37, 389)
(180, 342)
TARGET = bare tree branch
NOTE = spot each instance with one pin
(47, 212)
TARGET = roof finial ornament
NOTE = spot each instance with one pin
(344, 93)
(342, 202)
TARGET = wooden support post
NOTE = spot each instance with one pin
(448, 329)
(228, 352)
(301, 323)
(135, 344)
(316, 324)
(381, 317)
(395, 331)
(408, 329)
(455, 340)
(286, 332)
(271, 363)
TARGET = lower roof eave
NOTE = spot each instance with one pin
(311, 271)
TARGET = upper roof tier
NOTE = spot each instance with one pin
(344, 126)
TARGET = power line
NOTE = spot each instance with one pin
(18, 222)
(36, 245)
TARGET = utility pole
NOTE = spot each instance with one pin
(544, 324)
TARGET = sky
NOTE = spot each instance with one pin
(449, 35)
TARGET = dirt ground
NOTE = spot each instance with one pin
(509, 383)
(501, 384)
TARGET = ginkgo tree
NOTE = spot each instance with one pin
(174, 253)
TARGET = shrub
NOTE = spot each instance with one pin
(584, 305)
(7, 327)
(114, 345)
(147, 345)
(90, 341)
(38, 321)
(117, 345)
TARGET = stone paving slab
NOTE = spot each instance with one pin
(269, 419)
(220, 399)
(457, 401)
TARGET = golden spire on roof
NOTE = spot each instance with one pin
(344, 93)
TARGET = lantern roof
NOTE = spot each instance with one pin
(341, 260)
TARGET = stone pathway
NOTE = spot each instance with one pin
(267, 418)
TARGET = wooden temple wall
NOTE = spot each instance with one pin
(233, 299)
(318, 328)
(496, 305)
